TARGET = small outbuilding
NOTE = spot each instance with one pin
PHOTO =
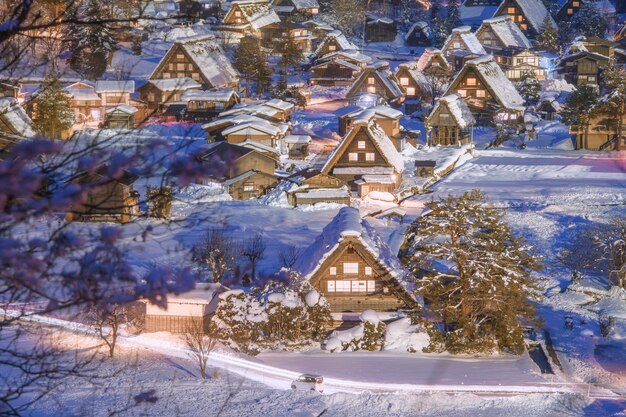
(120, 117)
(419, 35)
(425, 169)
(450, 122)
(380, 29)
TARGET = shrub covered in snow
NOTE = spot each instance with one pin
(366, 336)
(403, 335)
(280, 319)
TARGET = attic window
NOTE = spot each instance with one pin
(353, 157)
(350, 250)
(333, 270)
(361, 144)
(575, 4)
(456, 45)
(510, 10)
(480, 93)
(570, 11)
(237, 13)
(471, 81)
(350, 267)
(332, 48)
(371, 89)
(410, 91)
(370, 157)
(368, 270)
(404, 80)
(462, 93)
(370, 80)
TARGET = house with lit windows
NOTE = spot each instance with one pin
(487, 92)
(256, 17)
(528, 14)
(160, 92)
(354, 269)
(460, 46)
(366, 158)
(517, 61)
(377, 84)
(501, 32)
(584, 60)
(291, 7)
(199, 58)
(450, 123)
(433, 62)
(334, 41)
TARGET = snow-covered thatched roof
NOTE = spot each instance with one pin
(427, 57)
(381, 71)
(420, 26)
(175, 84)
(467, 37)
(103, 86)
(506, 30)
(495, 80)
(379, 138)
(257, 13)
(457, 108)
(305, 4)
(124, 108)
(13, 118)
(534, 11)
(340, 39)
(208, 57)
(220, 95)
(348, 224)
(415, 73)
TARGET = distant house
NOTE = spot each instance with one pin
(380, 29)
(334, 41)
(600, 135)
(450, 122)
(120, 117)
(246, 172)
(13, 119)
(86, 103)
(297, 146)
(377, 82)
(419, 34)
(297, 33)
(433, 62)
(256, 17)
(366, 159)
(516, 62)
(474, 12)
(528, 14)
(9, 90)
(110, 199)
(201, 59)
(203, 104)
(312, 187)
(501, 32)
(114, 93)
(487, 91)
(199, 9)
(184, 310)
(158, 93)
(570, 8)
(415, 84)
(291, 7)
(354, 269)
(584, 61)
(554, 95)
(282, 110)
(256, 131)
(387, 118)
(334, 72)
(461, 46)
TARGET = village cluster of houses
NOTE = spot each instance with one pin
(470, 81)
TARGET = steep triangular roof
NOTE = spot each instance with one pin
(468, 38)
(378, 137)
(533, 10)
(506, 30)
(208, 57)
(379, 70)
(339, 38)
(257, 13)
(427, 58)
(494, 79)
(457, 108)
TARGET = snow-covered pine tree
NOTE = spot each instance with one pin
(52, 114)
(614, 101)
(548, 37)
(236, 321)
(251, 62)
(579, 107)
(529, 87)
(91, 42)
(486, 286)
(589, 21)
(453, 17)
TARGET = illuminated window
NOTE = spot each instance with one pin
(570, 11)
(368, 270)
(350, 268)
(371, 286)
(332, 48)
(315, 11)
(410, 91)
(456, 45)
(371, 80)
(361, 144)
(342, 286)
(520, 18)
(480, 93)
(523, 26)
(353, 157)
(331, 286)
(180, 56)
(248, 186)
(404, 81)
(359, 286)
(575, 4)
(510, 10)
(471, 81)
(180, 67)
(237, 13)
(371, 89)
(462, 93)
(370, 156)
(296, 33)
(333, 270)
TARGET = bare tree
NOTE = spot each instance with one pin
(578, 256)
(289, 256)
(435, 86)
(254, 251)
(201, 342)
(219, 252)
(109, 319)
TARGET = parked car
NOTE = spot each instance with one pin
(309, 382)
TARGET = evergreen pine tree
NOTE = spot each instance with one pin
(454, 15)
(91, 42)
(579, 107)
(529, 87)
(614, 101)
(484, 293)
(251, 62)
(548, 37)
(589, 21)
(52, 114)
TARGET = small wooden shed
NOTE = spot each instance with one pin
(120, 117)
